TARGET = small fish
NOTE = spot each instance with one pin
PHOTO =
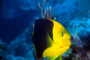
(50, 39)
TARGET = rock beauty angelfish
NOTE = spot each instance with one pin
(50, 38)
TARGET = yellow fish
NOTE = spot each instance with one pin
(50, 39)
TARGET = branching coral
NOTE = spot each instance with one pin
(43, 16)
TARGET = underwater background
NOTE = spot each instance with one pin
(16, 26)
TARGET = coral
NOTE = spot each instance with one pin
(21, 46)
(16, 27)
(12, 57)
(80, 31)
(3, 52)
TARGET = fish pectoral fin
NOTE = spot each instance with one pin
(49, 40)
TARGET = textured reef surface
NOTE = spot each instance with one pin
(16, 26)
(3, 52)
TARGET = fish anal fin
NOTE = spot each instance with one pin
(52, 58)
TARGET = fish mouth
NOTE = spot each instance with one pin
(63, 46)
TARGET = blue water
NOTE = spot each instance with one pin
(16, 26)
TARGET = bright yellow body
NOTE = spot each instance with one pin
(60, 44)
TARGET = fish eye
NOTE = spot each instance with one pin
(62, 34)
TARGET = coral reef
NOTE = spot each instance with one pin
(16, 27)
(21, 47)
(80, 31)
(3, 51)
(11, 57)
(19, 13)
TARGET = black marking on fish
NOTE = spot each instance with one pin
(42, 27)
